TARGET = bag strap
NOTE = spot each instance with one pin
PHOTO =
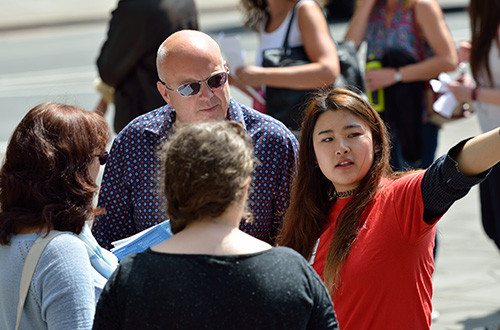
(285, 42)
(497, 39)
(29, 269)
(420, 46)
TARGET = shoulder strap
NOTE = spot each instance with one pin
(29, 268)
(285, 42)
(497, 37)
(420, 46)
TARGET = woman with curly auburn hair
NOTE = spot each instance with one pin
(210, 274)
(47, 182)
(368, 231)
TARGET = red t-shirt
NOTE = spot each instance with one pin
(386, 281)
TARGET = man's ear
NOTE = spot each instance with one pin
(163, 91)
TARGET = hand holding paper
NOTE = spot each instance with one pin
(447, 102)
(231, 47)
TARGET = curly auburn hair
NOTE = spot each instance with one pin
(206, 167)
(45, 179)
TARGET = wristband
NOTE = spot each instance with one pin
(398, 76)
(474, 93)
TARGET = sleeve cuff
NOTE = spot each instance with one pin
(453, 177)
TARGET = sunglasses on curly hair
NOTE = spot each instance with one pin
(215, 81)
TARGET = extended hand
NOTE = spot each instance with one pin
(461, 92)
(250, 75)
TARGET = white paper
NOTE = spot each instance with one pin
(231, 47)
(447, 102)
(235, 57)
(126, 240)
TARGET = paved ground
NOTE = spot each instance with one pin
(467, 277)
(16, 14)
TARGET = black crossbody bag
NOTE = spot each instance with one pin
(287, 105)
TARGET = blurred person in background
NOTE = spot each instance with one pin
(309, 28)
(483, 53)
(416, 30)
(127, 61)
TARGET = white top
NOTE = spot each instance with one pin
(489, 114)
(276, 38)
(61, 294)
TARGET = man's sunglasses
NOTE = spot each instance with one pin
(189, 89)
(103, 158)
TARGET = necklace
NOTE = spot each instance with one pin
(345, 194)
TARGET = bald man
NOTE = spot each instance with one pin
(193, 81)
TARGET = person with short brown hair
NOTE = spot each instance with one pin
(210, 274)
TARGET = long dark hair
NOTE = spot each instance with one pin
(484, 19)
(45, 179)
(312, 192)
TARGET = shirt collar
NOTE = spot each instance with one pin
(160, 121)
(235, 113)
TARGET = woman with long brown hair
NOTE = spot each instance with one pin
(367, 231)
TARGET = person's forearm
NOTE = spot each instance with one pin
(428, 69)
(479, 153)
(487, 95)
(359, 22)
(309, 76)
(236, 83)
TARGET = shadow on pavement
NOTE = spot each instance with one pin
(488, 322)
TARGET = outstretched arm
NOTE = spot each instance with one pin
(479, 153)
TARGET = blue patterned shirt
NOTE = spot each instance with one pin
(130, 192)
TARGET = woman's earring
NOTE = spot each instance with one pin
(247, 217)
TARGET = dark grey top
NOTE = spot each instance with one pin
(273, 289)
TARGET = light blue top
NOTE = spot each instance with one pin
(61, 294)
